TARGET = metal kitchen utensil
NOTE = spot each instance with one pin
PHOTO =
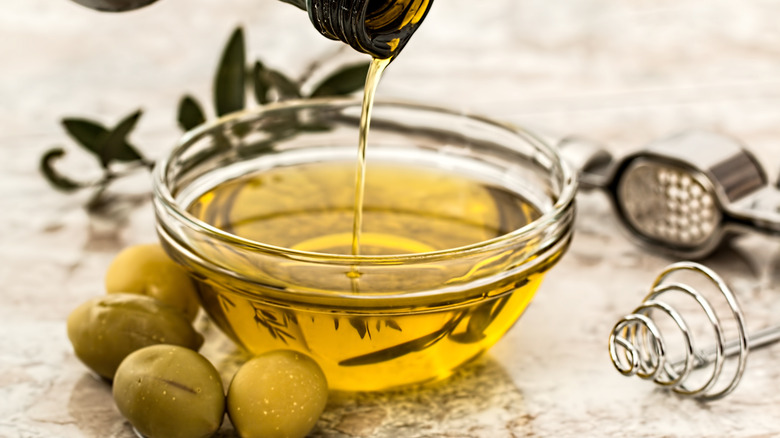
(683, 194)
(637, 345)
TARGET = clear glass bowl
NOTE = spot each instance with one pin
(372, 322)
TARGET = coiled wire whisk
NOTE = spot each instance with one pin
(637, 346)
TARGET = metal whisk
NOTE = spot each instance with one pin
(637, 346)
(683, 194)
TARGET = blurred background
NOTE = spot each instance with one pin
(619, 72)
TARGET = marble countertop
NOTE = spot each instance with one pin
(622, 73)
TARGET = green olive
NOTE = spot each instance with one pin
(278, 394)
(147, 270)
(106, 329)
(166, 391)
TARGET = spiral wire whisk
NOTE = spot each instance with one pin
(637, 345)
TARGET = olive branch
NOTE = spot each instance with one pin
(234, 79)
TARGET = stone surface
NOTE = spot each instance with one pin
(623, 73)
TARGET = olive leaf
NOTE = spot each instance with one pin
(479, 320)
(387, 323)
(229, 83)
(286, 87)
(267, 84)
(361, 326)
(392, 324)
(190, 113)
(405, 348)
(50, 173)
(345, 81)
(266, 80)
(86, 133)
(261, 85)
(106, 145)
(277, 329)
(225, 303)
(230, 86)
(114, 145)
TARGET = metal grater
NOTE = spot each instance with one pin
(682, 195)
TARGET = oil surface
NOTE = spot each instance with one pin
(406, 209)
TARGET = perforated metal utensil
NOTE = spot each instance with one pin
(683, 194)
(637, 346)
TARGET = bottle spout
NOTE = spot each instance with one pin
(380, 28)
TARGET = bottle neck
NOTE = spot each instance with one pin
(380, 28)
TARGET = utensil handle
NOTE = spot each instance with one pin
(760, 211)
(589, 159)
(759, 339)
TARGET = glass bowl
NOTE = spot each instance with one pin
(429, 294)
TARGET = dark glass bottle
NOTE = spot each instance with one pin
(380, 28)
(114, 5)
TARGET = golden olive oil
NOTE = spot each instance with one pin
(407, 209)
(375, 71)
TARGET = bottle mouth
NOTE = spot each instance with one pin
(380, 28)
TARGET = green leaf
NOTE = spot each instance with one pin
(86, 133)
(115, 146)
(94, 137)
(271, 323)
(342, 82)
(360, 326)
(405, 348)
(261, 83)
(266, 79)
(286, 87)
(479, 320)
(392, 324)
(190, 113)
(229, 83)
(57, 181)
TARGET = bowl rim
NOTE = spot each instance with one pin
(563, 204)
